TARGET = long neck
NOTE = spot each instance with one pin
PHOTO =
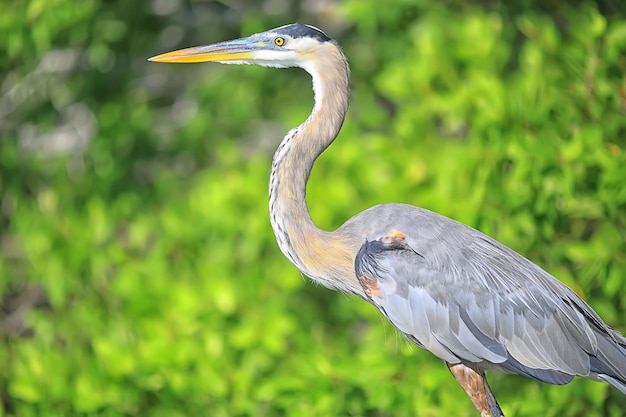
(321, 255)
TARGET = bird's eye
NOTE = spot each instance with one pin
(279, 41)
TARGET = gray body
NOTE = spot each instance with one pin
(448, 288)
(469, 299)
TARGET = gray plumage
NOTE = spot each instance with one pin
(448, 288)
(469, 299)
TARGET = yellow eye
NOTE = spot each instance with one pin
(279, 41)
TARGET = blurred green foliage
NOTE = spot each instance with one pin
(139, 274)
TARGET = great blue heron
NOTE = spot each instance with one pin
(447, 287)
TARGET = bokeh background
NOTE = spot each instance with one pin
(138, 272)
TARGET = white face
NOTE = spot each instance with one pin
(291, 53)
(274, 48)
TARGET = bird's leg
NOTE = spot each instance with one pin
(475, 385)
(491, 400)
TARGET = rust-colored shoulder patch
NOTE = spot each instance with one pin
(393, 237)
(396, 234)
(371, 287)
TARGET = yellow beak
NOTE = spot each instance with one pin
(241, 50)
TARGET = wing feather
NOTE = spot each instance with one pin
(475, 301)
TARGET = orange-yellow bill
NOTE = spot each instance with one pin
(236, 50)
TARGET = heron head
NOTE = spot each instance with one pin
(286, 46)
